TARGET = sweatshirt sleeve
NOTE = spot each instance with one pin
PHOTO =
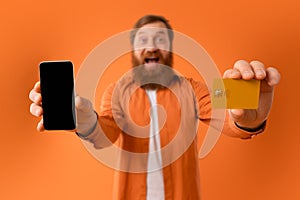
(106, 131)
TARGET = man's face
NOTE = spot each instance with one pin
(151, 54)
(151, 46)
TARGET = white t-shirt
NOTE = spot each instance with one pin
(155, 181)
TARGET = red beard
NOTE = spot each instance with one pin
(159, 77)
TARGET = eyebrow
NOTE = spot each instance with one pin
(159, 32)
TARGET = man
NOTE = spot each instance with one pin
(167, 171)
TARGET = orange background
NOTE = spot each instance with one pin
(55, 165)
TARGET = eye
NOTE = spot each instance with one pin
(160, 40)
(143, 40)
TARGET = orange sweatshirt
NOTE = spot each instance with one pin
(124, 118)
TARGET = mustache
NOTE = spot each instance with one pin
(166, 61)
(157, 54)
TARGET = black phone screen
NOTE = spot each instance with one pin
(57, 90)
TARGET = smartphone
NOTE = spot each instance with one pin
(235, 93)
(58, 99)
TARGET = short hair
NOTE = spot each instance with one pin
(147, 19)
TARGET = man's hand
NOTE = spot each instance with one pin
(86, 117)
(269, 78)
(36, 105)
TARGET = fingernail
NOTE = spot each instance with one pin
(260, 73)
(234, 73)
(36, 98)
(272, 82)
(248, 73)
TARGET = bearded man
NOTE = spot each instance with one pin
(176, 104)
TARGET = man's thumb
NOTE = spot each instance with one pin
(83, 105)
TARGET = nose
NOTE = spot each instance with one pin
(151, 46)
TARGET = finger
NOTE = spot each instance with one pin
(245, 69)
(245, 117)
(36, 110)
(232, 73)
(83, 104)
(258, 69)
(35, 97)
(236, 114)
(37, 87)
(273, 76)
(40, 127)
(35, 94)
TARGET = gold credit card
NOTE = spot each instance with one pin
(235, 93)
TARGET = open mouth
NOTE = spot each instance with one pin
(151, 60)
